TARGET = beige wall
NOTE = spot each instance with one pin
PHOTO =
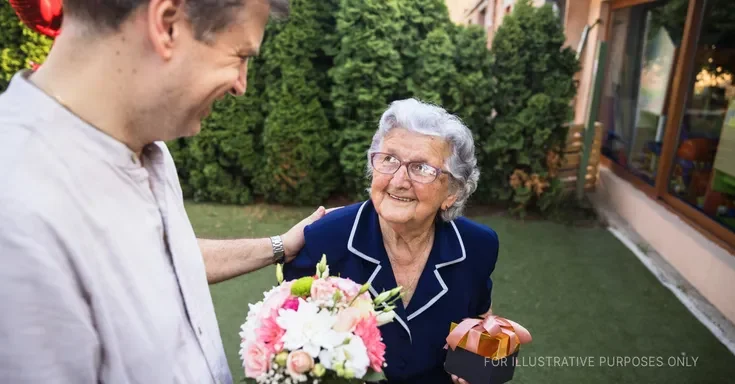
(576, 19)
(458, 9)
(705, 265)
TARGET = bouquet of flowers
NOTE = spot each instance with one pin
(317, 329)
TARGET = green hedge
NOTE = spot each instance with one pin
(19, 46)
(535, 86)
(298, 166)
(315, 95)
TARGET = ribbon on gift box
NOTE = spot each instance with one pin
(509, 334)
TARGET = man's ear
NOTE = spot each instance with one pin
(164, 23)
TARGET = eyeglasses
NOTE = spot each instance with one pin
(419, 172)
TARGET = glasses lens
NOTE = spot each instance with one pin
(385, 163)
(422, 172)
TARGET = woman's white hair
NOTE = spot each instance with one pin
(428, 119)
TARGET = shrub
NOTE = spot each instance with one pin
(367, 76)
(434, 74)
(218, 164)
(297, 165)
(534, 92)
(19, 46)
(421, 18)
(472, 97)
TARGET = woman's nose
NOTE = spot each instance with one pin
(400, 178)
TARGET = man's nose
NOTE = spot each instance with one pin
(238, 89)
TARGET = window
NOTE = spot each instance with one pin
(643, 44)
(703, 172)
(559, 7)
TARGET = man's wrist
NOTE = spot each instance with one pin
(279, 253)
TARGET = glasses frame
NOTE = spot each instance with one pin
(439, 171)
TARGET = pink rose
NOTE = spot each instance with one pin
(299, 362)
(322, 289)
(348, 287)
(363, 305)
(256, 360)
(292, 304)
(347, 319)
(276, 299)
(269, 335)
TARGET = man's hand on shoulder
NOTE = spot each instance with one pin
(293, 240)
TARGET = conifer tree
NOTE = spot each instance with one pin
(534, 91)
(297, 167)
(367, 76)
(434, 74)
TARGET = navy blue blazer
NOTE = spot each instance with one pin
(455, 283)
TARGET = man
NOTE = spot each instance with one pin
(102, 278)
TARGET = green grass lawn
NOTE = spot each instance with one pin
(579, 291)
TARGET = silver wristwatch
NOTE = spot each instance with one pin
(279, 255)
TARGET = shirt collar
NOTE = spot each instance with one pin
(48, 112)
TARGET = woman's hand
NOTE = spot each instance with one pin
(457, 380)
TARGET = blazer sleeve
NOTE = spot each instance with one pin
(300, 266)
(327, 236)
(486, 282)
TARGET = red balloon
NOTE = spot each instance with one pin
(43, 16)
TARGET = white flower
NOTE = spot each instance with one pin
(309, 328)
(385, 317)
(352, 355)
(252, 322)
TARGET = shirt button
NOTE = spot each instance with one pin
(199, 329)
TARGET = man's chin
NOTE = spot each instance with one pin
(193, 130)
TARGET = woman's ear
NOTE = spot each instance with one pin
(449, 201)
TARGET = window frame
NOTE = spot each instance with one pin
(677, 95)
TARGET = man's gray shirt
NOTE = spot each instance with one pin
(101, 277)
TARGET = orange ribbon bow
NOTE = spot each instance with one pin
(492, 326)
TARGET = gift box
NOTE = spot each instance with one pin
(484, 351)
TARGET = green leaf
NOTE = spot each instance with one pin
(372, 377)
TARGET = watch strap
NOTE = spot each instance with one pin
(279, 255)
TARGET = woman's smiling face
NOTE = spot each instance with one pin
(398, 199)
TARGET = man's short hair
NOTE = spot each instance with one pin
(208, 17)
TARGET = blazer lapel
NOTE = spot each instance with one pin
(448, 249)
(366, 242)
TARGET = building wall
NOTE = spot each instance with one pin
(458, 9)
(577, 18)
(705, 265)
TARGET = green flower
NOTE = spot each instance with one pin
(281, 359)
(279, 273)
(318, 370)
(302, 287)
(349, 374)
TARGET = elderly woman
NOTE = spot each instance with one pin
(410, 233)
